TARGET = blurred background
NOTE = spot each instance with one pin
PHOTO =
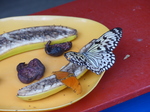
(10, 8)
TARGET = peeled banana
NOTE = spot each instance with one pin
(26, 39)
(51, 85)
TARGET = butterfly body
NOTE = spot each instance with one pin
(99, 56)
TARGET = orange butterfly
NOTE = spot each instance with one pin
(69, 80)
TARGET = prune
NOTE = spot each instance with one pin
(34, 70)
(57, 49)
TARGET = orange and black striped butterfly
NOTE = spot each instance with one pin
(69, 80)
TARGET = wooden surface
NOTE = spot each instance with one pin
(127, 78)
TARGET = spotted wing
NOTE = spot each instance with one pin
(99, 61)
(99, 56)
(107, 41)
(75, 57)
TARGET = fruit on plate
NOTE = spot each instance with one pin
(34, 70)
(26, 39)
(96, 56)
(57, 49)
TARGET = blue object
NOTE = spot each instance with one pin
(138, 104)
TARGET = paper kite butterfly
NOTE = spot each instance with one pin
(99, 57)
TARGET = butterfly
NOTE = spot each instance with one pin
(69, 80)
(99, 57)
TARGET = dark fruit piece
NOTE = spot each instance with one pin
(34, 70)
(57, 49)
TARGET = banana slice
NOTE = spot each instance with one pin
(22, 40)
(51, 85)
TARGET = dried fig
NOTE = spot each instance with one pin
(34, 70)
(57, 49)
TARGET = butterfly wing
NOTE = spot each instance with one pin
(99, 56)
(76, 58)
(99, 61)
(69, 80)
(108, 41)
(96, 61)
(73, 83)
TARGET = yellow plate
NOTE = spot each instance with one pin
(9, 83)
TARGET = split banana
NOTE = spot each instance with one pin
(51, 85)
(26, 39)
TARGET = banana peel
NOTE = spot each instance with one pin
(32, 93)
(32, 38)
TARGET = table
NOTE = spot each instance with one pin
(129, 77)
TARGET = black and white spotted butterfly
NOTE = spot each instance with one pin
(99, 56)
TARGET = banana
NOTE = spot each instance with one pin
(51, 85)
(26, 39)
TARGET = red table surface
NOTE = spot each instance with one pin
(127, 78)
